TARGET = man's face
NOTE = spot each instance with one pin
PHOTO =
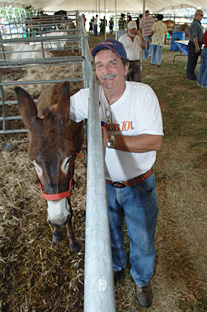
(199, 16)
(110, 70)
(132, 32)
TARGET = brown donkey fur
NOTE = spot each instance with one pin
(54, 140)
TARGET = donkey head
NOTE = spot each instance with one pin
(51, 149)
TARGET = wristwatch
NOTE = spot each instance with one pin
(111, 142)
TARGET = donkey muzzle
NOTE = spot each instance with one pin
(59, 212)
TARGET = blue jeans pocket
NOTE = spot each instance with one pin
(147, 186)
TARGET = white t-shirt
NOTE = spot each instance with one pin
(133, 48)
(136, 112)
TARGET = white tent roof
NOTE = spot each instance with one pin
(153, 6)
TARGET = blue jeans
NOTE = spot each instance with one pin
(95, 29)
(156, 54)
(121, 33)
(138, 204)
(147, 51)
(202, 75)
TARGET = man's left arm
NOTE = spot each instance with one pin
(195, 38)
(166, 31)
(134, 144)
(197, 48)
(143, 42)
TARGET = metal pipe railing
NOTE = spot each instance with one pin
(98, 281)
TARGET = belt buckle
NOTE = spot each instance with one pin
(118, 184)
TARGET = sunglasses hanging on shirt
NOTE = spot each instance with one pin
(109, 117)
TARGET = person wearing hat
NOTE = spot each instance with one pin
(133, 42)
(132, 132)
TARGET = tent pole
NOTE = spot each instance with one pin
(115, 22)
(143, 26)
(105, 18)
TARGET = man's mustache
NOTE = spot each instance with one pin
(104, 77)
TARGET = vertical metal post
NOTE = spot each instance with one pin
(98, 281)
(105, 19)
(143, 28)
(4, 106)
(116, 21)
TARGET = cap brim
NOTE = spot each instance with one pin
(101, 46)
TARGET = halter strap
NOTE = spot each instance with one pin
(58, 196)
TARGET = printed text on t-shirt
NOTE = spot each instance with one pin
(124, 126)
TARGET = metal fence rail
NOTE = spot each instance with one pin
(98, 279)
(98, 282)
(37, 25)
(73, 43)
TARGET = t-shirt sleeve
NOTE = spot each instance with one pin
(121, 39)
(195, 30)
(79, 105)
(151, 121)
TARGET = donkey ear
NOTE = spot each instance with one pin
(27, 107)
(63, 107)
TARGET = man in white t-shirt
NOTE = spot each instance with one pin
(132, 133)
(133, 42)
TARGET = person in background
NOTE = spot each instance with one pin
(147, 25)
(101, 25)
(194, 44)
(91, 26)
(159, 37)
(202, 75)
(84, 19)
(131, 134)
(138, 20)
(129, 18)
(105, 23)
(122, 25)
(133, 42)
(111, 25)
(95, 25)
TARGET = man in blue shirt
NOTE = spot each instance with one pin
(194, 45)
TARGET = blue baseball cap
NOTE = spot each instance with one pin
(111, 44)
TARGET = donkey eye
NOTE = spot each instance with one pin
(66, 164)
(37, 167)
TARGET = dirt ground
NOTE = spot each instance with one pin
(36, 276)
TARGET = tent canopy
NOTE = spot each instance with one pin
(153, 6)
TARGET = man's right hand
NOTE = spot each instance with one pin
(197, 49)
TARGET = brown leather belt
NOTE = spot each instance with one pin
(131, 182)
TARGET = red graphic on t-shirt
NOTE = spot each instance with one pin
(124, 126)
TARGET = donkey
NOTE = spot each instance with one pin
(54, 141)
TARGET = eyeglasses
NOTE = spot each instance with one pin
(109, 117)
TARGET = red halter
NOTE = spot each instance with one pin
(58, 196)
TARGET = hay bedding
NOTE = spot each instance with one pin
(35, 274)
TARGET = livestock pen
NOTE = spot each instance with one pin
(44, 55)
(29, 73)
